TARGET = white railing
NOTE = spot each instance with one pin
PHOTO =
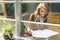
(50, 24)
(7, 19)
(7, 1)
(24, 38)
(40, 1)
(31, 1)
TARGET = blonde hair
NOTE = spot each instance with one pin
(36, 14)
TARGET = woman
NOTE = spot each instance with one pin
(40, 15)
(41, 11)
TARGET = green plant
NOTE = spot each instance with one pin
(24, 7)
(7, 28)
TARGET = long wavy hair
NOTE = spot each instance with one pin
(35, 16)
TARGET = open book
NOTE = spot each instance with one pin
(43, 33)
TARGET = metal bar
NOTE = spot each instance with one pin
(31, 1)
(7, 1)
(7, 19)
(31, 22)
(18, 17)
(40, 1)
(24, 38)
(50, 24)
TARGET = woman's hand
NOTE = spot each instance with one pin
(29, 30)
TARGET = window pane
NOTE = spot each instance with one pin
(10, 8)
(53, 14)
(55, 7)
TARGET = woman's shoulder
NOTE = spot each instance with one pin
(32, 16)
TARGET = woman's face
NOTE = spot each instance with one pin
(43, 11)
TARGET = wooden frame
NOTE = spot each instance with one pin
(4, 10)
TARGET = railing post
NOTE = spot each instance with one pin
(18, 17)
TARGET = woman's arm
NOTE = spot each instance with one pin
(31, 18)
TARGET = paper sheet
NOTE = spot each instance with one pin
(43, 33)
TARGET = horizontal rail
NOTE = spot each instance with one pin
(32, 22)
(40, 1)
(31, 1)
(7, 19)
(7, 1)
(42, 23)
(24, 38)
